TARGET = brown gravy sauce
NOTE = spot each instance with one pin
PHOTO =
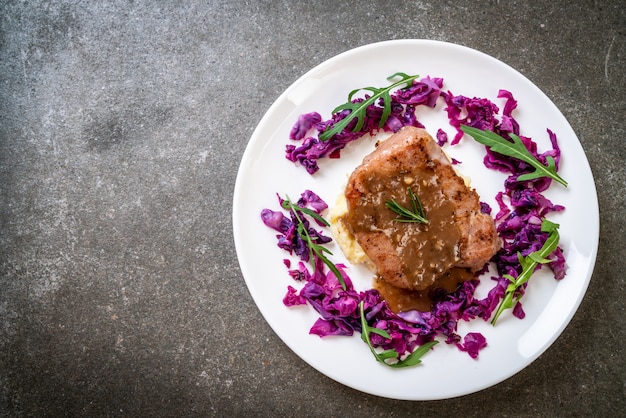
(425, 251)
(402, 300)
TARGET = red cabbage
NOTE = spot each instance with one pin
(508, 124)
(442, 137)
(476, 112)
(292, 298)
(305, 122)
(518, 311)
(423, 92)
(403, 103)
(522, 206)
(289, 239)
(472, 343)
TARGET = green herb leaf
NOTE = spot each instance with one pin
(529, 264)
(407, 215)
(358, 110)
(315, 250)
(313, 214)
(412, 359)
(515, 149)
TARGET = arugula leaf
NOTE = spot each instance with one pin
(515, 149)
(529, 264)
(358, 110)
(315, 250)
(412, 359)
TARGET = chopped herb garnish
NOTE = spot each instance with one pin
(358, 109)
(529, 264)
(315, 249)
(416, 214)
(412, 359)
(515, 149)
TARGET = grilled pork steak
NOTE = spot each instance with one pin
(414, 255)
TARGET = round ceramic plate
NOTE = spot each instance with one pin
(445, 372)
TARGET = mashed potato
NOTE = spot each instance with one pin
(342, 235)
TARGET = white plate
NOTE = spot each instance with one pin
(445, 372)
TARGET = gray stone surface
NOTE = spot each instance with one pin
(122, 125)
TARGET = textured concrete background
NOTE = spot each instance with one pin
(122, 125)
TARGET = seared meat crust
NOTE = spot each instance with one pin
(411, 158)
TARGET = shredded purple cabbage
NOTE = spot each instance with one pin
(475, 112)
(289, 239)
(442, 137)
(472, 343)
(522, 206)
(424, 92)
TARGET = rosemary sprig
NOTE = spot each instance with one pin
(407, 215)
(412, 359)
(529, 264)
(315, 250)
(358, 109)
(515, 149)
